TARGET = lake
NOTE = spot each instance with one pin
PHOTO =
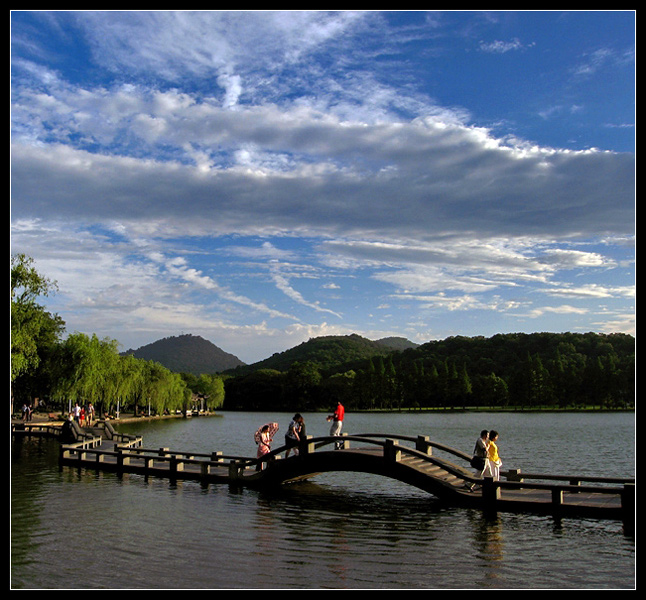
(74, 529)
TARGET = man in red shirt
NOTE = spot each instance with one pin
(337, 422)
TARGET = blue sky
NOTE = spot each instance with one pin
(262, 178)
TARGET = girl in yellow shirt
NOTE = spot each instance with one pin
(494, 463)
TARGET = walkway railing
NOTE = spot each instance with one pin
(362, 451)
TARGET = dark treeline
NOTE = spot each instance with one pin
(558, 370)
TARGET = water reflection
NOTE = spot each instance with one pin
(337, 531)
(488, 546)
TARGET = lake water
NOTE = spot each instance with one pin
(74, 529)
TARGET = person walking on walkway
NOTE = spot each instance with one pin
(480, 457)
(493, 459)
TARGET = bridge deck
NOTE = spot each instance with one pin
(419, 466)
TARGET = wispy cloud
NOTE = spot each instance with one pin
(249, 173)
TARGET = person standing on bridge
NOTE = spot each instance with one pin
(493, 459)
(337, 422)
(293, 435)
(480, 457)
(264, 445)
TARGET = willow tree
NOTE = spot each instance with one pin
(128, 381)
(85, 370)
(159, 389)
(212, 388)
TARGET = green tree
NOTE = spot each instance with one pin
(29, 320)
(260, 390)
(339, 388)
(85, 370)
(301, 382)
(212, 388)
(490, 390)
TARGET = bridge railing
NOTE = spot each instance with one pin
(422, 447)
(35, 429)
(391, 447)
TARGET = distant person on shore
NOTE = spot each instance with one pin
(90, 415)
(337, 422)
(480, 457)
(493, 459)
(76, 411)
(293, 435)
(264, 446)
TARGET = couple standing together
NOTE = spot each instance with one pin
(296, 430)
(486, 450)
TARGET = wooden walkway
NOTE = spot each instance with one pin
(416, 461)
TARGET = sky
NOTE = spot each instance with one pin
(261, 178)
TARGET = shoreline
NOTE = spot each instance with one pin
(41, 418)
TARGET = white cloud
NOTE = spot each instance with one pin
(501, 47)
(593, 290)
(282, 283)
(562, 310)
(234, 164)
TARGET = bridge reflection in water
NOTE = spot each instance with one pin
(435, 468)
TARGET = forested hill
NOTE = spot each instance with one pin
(516, 369)
(188, 354)
(329, 352)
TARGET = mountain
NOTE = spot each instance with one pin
(396, 343)
(188, 354)
(329, 352)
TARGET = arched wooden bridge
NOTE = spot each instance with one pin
(411, 460)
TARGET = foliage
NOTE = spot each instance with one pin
(87, 369)
(208, 386)
(328, 353)
(556, 370)
(33, 330)
(84, 368)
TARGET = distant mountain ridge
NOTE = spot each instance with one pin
(328, 352)
(188, 354)
(193, 354)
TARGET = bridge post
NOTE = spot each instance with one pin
(392, 453)
(423, 445)
(215, 456)
(628, 507)
(575, 482)
(176, 464)
(490, 494)
(122, 458)
(306, 447)
(234, 470)
(514, 475)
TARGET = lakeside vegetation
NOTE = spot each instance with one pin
(54, 372)
(547, 371)
(527, 371)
